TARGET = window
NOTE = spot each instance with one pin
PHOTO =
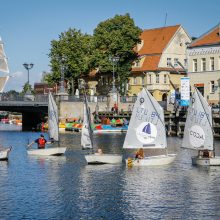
(150, 79)
(137, 63)
(165, 79)
(212, 64)
(212, 86)
(135, 80)
(157, 78)
(142, 80)
(185, 62)
(168, 62)
(175, 62)
(195, 67)
(203, 64)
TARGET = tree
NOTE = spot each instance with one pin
(69, 54)
(26, 87)
(117, 36)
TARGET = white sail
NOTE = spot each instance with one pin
(53, 118)
(3, 59)
(146, 127)
(198, 133)
(86, 136)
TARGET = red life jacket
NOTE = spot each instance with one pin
(41, 142)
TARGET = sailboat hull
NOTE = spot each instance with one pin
(4, 153)
(213, 161)
(53, 151)
(103, 158)
(152, 160)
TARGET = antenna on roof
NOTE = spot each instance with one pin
(165, 23)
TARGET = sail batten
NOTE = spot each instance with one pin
(53, 122)
(198, 132)
(146, 127)
(86, 137)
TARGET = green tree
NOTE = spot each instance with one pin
(69, 54)
(26, 87)
(117, 36)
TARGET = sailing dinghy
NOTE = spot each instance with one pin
(53, 128)
(147, 131)
(87, 141)
(198, 132)
(4, 153)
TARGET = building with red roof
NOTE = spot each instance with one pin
(204, 64)
(162, 61)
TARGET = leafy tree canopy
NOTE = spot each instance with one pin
(75, 53)
(116, 37)
(69, 54)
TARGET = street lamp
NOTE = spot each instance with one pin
(28, 66)
(114, 61)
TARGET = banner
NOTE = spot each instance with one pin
(185, 91)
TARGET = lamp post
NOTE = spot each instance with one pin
(28, 66)
(62, 76)
(114, 61)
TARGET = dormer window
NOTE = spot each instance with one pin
(137, 63)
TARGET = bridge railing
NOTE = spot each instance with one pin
(44, 98)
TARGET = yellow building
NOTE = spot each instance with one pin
(162, 61)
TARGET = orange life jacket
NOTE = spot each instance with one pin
(41, 142)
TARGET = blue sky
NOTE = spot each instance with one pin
(28, 26)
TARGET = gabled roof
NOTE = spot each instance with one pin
(211, 37)
(156, 40)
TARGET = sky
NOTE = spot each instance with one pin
(28, 26)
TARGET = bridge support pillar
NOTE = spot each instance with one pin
(30, 120)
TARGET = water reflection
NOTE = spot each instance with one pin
(67, 188)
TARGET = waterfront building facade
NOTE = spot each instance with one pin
(162, 61)
(204, 64)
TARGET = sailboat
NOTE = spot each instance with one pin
(198, 132)
(87, 141)
(4, 151)
(53, 124)
(147, 131)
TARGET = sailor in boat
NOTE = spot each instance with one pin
(205, 154)
(139, 154)
(41, 142)
(99, 152)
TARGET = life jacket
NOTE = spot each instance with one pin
(41, 142)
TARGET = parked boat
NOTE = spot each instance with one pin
(110, 128)
(198, 132)
(53, 129)
(87, 142)
(146, 131)
(4, 153)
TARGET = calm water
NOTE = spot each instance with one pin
(66, 188)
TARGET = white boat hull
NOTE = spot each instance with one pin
(103, 158)
(213, 161)
(53, 151)
(4, 153)
(152, 160)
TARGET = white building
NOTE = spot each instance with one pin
(204, 64)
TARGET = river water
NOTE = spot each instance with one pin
(67, 188)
